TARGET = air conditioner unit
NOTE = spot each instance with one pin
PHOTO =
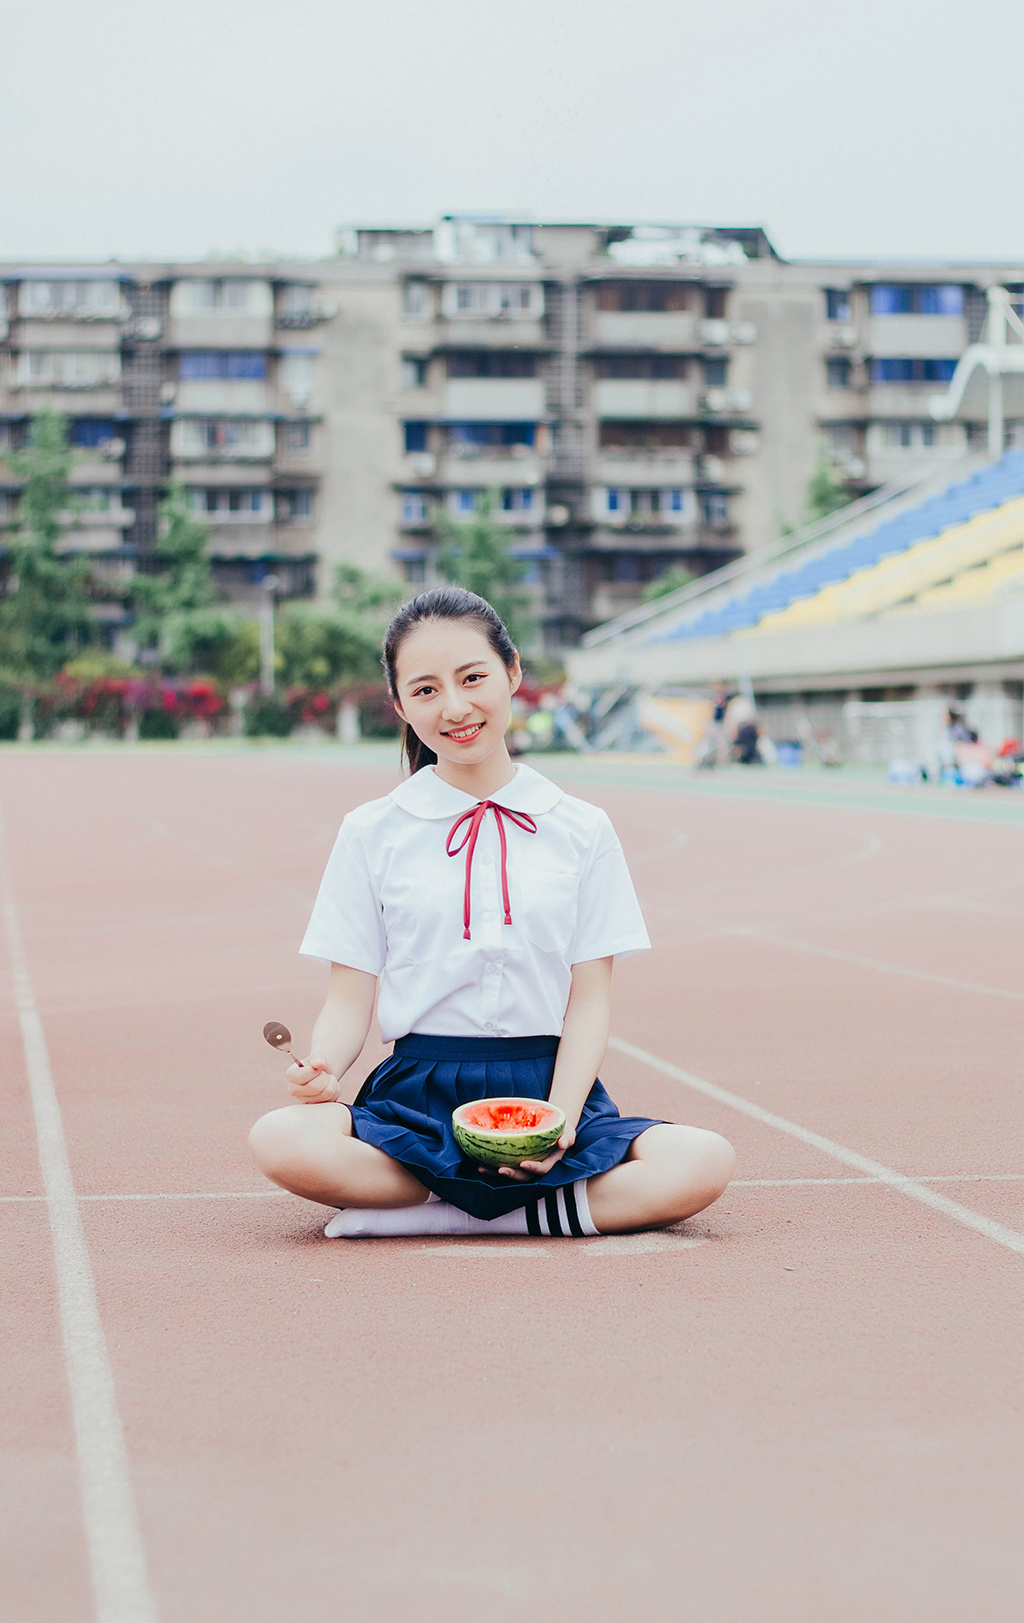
(112, 450)
(422, 464)
(744, 442)
(714, 332)
(740, 399)
(844, 337)
(714, 399)
(168, 392)
(712, 467)
(743, 332)
(147, 327)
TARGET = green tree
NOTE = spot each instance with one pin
(318, 650)
(475, 554)
(179, 586)
(826, 493)
(45, 611)
(673, 580)
(358, 592)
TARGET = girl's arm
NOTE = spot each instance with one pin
(580, 1053)
(338, 1036)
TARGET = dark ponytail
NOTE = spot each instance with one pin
(443, 603)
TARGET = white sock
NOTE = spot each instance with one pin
(551, 1216)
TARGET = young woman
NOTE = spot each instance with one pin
(489, 907)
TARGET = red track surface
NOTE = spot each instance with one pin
(808, 1416)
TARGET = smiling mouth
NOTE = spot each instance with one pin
(463, 735)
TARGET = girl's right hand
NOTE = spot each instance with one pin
(312, 1082)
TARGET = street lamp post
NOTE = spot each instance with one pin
(267, 635)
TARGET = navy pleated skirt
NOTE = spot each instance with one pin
(405, 1108)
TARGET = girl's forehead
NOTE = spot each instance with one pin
(443, 644)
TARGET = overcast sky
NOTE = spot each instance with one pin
(176, 129)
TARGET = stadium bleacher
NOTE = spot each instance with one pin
(957, 545)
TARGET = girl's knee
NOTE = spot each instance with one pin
(717, 1157)
(275, 1139)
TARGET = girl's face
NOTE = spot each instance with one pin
(454, 691)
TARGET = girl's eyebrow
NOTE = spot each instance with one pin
(412, 680)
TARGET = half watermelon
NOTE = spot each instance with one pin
(503, 1132)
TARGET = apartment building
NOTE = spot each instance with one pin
(635, 397)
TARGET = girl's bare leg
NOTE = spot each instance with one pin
(670, 1172)
(310, 1151)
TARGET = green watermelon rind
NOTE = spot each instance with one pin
(507, 1149)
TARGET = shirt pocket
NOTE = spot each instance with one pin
(546, 907)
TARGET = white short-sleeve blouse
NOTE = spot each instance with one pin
(391, 903)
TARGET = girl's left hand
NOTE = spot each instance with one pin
(536, 1169)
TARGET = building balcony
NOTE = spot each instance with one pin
(916, 336)
(247, 442)
(494, 400)
(644, 468)
(221, 330)
(653, 329)
(221, 475)
(63, 333)
(219, 397)
(618, 399)
(486, 466)
(496, 332)
(84, 400)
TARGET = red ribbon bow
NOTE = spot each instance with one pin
(474, 817)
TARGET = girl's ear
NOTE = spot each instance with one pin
(399, 712)
(515, 675)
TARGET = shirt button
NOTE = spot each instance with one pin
(493, 969)
(490, 1026)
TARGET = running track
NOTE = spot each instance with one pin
(801, 1406)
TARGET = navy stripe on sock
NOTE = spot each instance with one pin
(554, 1222)
(532, 1219)
(571, 1212)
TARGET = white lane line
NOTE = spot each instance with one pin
(916, 1190)
(944, 1177)
(610, 1245)
(870, 963)
(117, 1558)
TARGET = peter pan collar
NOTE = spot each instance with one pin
(427, 795)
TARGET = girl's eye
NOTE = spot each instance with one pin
(421, 692)
(476, 676)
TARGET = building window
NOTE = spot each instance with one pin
(414, 372)
(838, 305)
(415, 436)
(198, 437)
(492, 434)
(222, 363)
(627, 568)
(675, 501)
(295, 301)
(416, 301)
(641, 366)
(90, 432)
(415, 571)
(498, 363)
(68, 369)
(85, 298)
(889, 299)
(714, 303)
(643, 502)
(615, 501)
(716, 371)
(518, 500)
(415, 507)
(907, 369)
(203, 295)
(464, 502)
(837, 372)
(294, 505)
(900, 435)
(494, 299)
(296, 436)
(927, 434)
(233, 504)
(647, 297)
(714, 509)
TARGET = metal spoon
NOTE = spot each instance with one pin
(279, 1037)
